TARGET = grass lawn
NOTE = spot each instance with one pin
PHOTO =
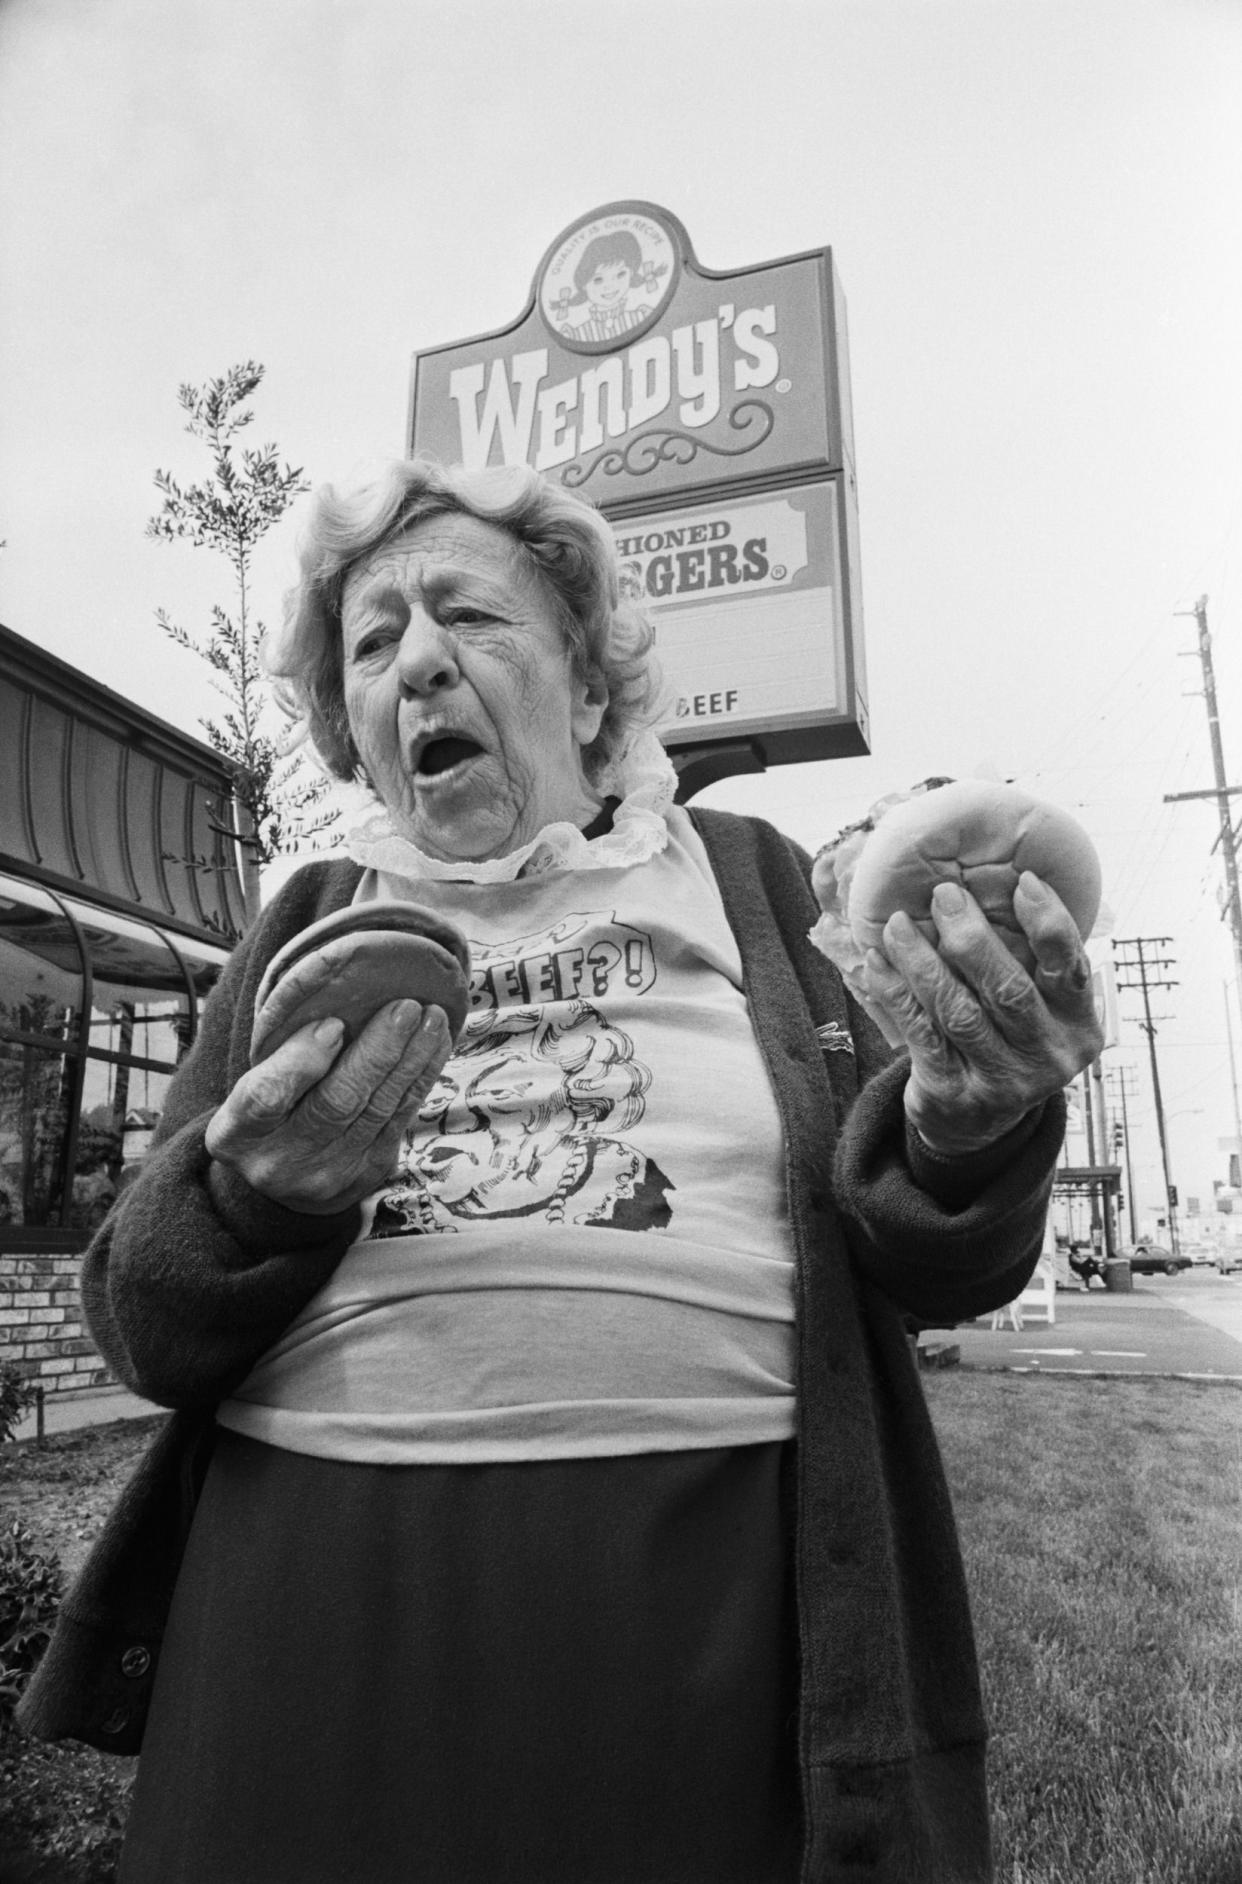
(1102, 1526)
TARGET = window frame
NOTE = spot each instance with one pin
(76, 1047)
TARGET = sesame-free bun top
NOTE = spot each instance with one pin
(353, 962)
(983, 836)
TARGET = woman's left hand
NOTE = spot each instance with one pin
(988, 1041)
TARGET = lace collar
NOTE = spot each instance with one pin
(643, 778)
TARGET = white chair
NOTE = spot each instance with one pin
(1039, 1297)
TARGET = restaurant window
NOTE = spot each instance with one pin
(96, 1010)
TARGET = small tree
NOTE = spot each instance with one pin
(248, 492)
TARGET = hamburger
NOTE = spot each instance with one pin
(352, 963)
(979, 834)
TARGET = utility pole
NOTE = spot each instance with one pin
(1121, 1140)
(1146, 981)
(1099, 1238)
(1233, 1075)
(1095, 1080)
(1220, 792)
(1097, 1152)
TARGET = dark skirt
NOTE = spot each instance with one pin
(564, 1672)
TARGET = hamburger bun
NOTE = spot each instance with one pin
(352, 963)
(983, 836)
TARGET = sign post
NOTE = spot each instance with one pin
(707, 414)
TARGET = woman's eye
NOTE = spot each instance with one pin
(464, 617)
(369, 645)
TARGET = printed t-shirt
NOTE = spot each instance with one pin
(585, 1248)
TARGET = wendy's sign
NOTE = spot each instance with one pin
(651, 384)
(633, 374)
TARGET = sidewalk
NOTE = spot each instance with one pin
(68, 1412)
(1098, 1332)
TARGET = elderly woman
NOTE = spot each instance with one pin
(551, 1496)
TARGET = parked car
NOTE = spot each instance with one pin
(1153, 1259)
(1229, 1258)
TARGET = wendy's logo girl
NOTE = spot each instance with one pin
(615, 289)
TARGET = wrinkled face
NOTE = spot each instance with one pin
(459, 691)
(609, 284)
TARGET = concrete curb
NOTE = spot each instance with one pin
(72, 1412)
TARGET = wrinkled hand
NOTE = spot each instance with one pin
(316, 1129)
(987, 1040)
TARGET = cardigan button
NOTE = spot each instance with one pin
(135, 1662)
(117, 1721)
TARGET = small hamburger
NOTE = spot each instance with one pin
(352, 963)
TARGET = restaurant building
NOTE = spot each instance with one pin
(122, 891)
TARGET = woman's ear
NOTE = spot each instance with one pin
(590, 706)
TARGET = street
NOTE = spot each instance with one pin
(1188, 1326)
(1205, 1293)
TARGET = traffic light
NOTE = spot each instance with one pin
(1119, 1137)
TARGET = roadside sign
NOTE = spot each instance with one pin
(740, 591)
(707, 413)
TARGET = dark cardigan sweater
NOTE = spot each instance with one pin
(194, 1275)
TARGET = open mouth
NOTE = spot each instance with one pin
(442, 754)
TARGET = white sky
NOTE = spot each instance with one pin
(1034, 208)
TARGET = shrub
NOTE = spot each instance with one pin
(17, 1393)
(62, 1808)
(30, 1589)
(62, 1811)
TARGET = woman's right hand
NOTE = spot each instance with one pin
(316, 1129)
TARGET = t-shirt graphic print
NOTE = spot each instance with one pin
(532, 1116)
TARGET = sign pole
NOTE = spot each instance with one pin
(697, 767)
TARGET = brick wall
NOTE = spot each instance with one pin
(41, 1323)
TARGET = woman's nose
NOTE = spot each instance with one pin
(427, 657)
